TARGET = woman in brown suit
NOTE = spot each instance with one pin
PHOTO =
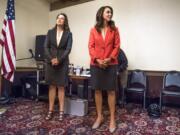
(57, 47)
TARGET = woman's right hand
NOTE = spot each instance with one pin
(101, 63)
(54, 62)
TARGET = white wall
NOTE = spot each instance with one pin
(32, 18)
(149, 31)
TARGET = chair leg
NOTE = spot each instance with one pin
(144, 101)
(122, 97)
(160, 102)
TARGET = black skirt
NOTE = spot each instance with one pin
(104, 79)
(57, 75)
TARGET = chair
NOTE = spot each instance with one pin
(171, 86)
(137, 83)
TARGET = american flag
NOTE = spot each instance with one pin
(7, 41)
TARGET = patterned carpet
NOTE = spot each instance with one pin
(26, 117)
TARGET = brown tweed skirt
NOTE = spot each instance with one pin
(104, 79)
(57, 75)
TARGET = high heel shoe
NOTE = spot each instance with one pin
(61, 115)
(49, 115)
(97, 125)
(112, 130)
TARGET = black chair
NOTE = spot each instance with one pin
(137, 83)
(171, 86)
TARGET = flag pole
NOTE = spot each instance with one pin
(2, 109)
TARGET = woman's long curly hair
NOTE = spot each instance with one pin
(66, 24)
(99, 19)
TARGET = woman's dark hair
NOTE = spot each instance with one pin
(66, 24)
(100, 20)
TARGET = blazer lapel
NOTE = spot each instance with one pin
(105, 40)
(61, 43)
(107, 35)
(101, 37)
(54, 36)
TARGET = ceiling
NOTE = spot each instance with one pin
(58, 4)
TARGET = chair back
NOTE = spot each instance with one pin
(138, 79)
(171, 79)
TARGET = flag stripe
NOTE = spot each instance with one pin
(11, 32)
(1, 42)
(3, 35)
(10, 44)
(6, 67)
(9, 76)
(3, 29)
(8, 55)
(5, 20)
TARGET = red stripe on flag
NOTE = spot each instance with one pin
(4, 33)
(9, 75)
(8, 54)
(11, 31)
(1, 42)
(5, 21)
(4, 25)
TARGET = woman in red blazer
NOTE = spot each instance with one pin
(104, 43)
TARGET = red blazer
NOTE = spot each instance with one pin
(101, 49)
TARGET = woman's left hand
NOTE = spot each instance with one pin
(55, 62)
(107, 61)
